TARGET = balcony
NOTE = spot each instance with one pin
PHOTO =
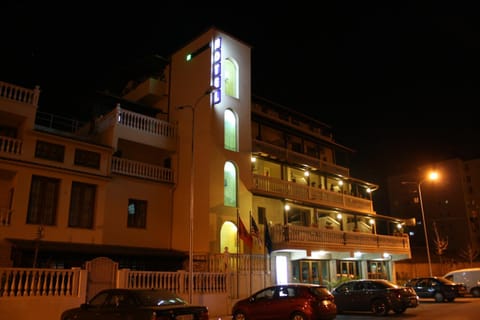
(124, 124)
(289, 156)
(148, 92)
(10, 147)
(142, 170)
(297, 121)
(18, 94)
(269, 186)
(313, 238)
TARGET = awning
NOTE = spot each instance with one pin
(97, 249)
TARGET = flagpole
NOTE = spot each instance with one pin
(265, 264)
(238, 253)
(251, 249)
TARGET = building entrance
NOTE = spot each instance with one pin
(310, 271)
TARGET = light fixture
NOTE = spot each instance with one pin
(432, 176)
(192, 189)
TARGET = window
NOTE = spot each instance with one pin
(230, 185)
(230, 131)
(137, 213)
(42, 205)
(87, 158)
(82, 205)
(231, 78)
(49, 151)
(347, 269)
(262, 215)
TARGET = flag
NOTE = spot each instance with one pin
(255, 231)
(268, 240)
(244, 234)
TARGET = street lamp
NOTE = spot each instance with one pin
(192, 188)
(431, 176)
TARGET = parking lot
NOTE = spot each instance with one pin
(461, 309)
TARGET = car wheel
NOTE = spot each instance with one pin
(399, 310)
(475, 292)
(239, 316)
(298, 316)
(379, 307)
(439, 297)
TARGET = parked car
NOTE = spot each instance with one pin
(475, 291)
(375, 295)
(438, 288)
(139, 304)
(470, 277)
(297, 301)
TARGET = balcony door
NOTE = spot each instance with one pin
(310, 271)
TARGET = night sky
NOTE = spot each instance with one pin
(399, 83)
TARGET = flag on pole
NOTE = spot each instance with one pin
(244, 234)
(268, 240)
(255, 231)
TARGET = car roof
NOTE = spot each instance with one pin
(359, 280)
(299, 285)
(463, 270)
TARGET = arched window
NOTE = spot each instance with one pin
(230, 185)
(231, 78)
(230, 130)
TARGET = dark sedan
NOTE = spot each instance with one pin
(438, 288)
(138, 304)
(374, 295)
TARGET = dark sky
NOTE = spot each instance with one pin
(398, 81)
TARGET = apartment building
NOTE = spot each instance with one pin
(451, 208)
(169, 186)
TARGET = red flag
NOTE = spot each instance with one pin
(244, 234)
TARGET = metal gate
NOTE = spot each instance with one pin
(102, 274)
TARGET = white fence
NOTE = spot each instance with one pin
(27, 292)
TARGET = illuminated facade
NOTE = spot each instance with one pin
(121, 186)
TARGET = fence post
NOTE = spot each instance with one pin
(122, 278)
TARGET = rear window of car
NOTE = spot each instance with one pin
(159, 298)
(445, 281)
(320, 291)
(386, 284)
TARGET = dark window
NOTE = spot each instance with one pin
(312, 151)
(137, 213)
(297, 147)
(50, 151)
(42, 205)
(82, 205)
(87, 158)
(262, 218)
(6, 131)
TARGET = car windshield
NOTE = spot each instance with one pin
(159, 298)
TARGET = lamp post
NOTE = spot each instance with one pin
(432, 176)
(192, 188)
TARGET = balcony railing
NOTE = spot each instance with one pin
(19, 94)
(300, 237)
(10, 146)
(142, 170)
(137, 121)
(297, 157)
(285, 189)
